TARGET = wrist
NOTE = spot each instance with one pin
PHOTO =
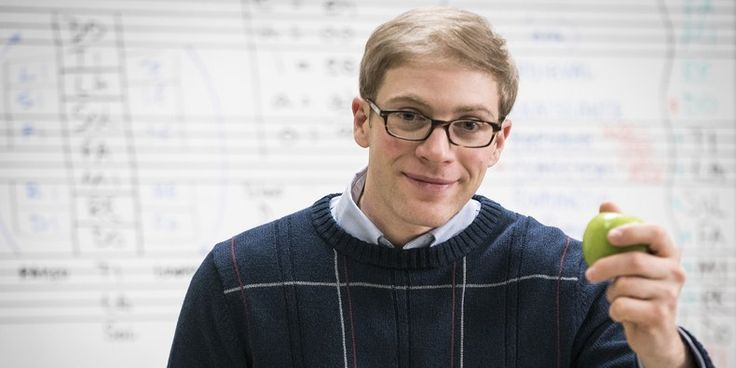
(679, 356)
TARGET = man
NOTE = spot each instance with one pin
(408, 267)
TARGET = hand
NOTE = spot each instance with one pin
(644, 292)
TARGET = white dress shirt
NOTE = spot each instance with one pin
(349, 216)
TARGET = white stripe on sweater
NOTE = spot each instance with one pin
(342, 320)
(462, 312)
(391, 287)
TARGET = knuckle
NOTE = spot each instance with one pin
(614, 312)
(619, 310)
(639, 260)
(661, 310)
(622, 283)
(610, 299)
(610, 294)
(659, 232)
(671, 294)
(679, 274)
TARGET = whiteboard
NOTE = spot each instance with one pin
(134, 135)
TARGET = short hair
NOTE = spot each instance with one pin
(443, 34)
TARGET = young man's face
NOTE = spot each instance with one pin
(412, 187)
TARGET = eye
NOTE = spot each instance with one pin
(409, 116)
(469, 126)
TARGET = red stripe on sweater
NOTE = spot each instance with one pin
(350, 310)
(242, 295)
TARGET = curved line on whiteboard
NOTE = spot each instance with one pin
(664, 89)
(8, 237)
(214, 99)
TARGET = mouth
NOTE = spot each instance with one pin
(430, 183)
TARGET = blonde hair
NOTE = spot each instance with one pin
(439, 34)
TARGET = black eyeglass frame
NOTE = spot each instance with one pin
(495, 126)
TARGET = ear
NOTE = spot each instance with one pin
(361, 125)
(500, 141)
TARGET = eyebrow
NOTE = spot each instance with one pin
(417, 100)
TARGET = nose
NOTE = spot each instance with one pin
(436, 148)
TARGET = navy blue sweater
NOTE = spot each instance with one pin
(301, 292)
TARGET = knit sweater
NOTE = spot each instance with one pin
(301, 292)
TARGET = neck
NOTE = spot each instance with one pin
(488, 225)
(397, 231)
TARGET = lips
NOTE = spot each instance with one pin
(430, 183)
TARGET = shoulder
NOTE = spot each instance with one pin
(255, 251)
(550, 243)
(548, 248)
(538, 248)
(260, 254)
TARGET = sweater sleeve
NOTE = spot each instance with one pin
(700, 355)
(600, 342)
(206, 335)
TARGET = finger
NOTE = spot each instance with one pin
(654, 236)
(609, 206)
(644, 289)
(640, 312)
(635, 264)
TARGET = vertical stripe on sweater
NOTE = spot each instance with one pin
(462, 314)
(242, 294)
(350, 312)
(559, 282)
(452, 324)
(342, 320)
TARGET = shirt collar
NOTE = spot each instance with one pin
(348, 215)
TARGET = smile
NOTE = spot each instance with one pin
(428, 183)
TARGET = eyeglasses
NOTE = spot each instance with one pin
(413, 126)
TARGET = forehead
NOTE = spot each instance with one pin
(440, 86)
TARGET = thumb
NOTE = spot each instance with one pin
(609, 206)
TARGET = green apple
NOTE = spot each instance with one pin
(595, 238)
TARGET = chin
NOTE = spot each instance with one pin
(428, 215)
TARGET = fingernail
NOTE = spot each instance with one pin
(615, 233)
(590, 274)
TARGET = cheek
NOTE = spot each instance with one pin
(383, 154)
(386, 148)
(477, 177)
(477, 163)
